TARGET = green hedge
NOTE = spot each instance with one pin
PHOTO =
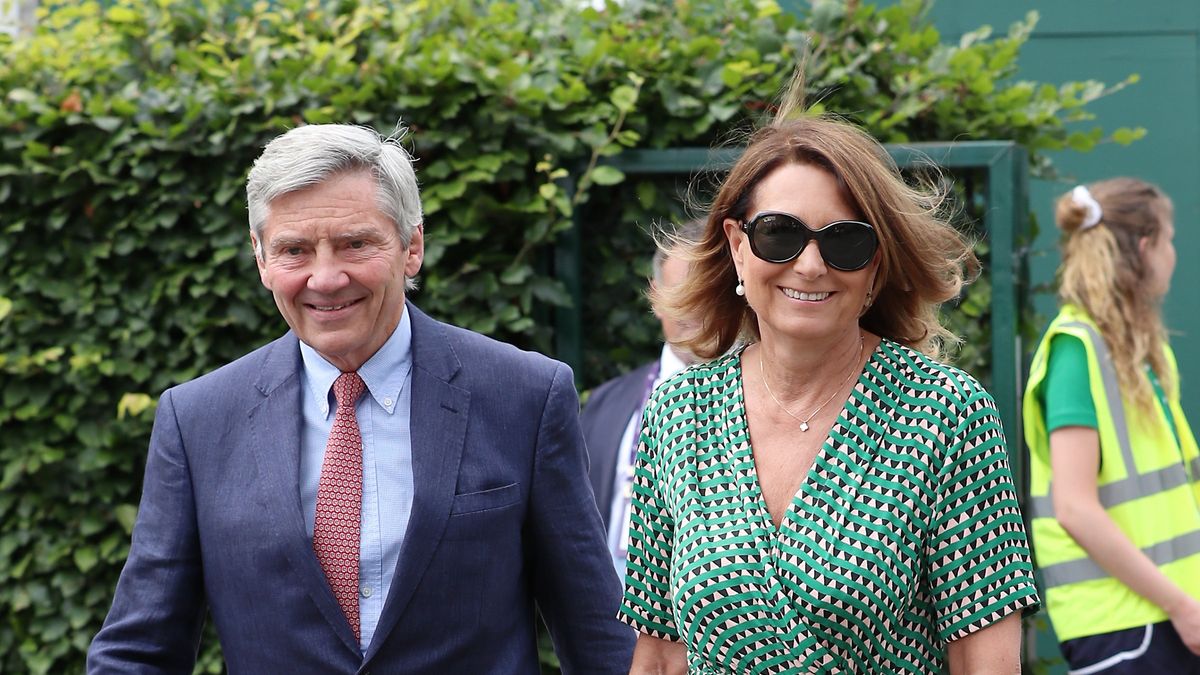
(128, 128)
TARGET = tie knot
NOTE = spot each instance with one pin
(347, 388)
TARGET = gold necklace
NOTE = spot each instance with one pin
(804, 422)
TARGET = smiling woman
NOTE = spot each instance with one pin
(774, 531)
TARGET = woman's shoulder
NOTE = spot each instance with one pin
(701, 381)
(916, 371)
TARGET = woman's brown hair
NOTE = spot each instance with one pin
(1103, 273)
(922, 257)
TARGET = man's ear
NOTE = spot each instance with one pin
(416, 251)
(256, 249)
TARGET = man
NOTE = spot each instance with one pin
(612, 418)
(374, 491)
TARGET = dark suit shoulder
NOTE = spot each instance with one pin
(472, 346)
(261, 370)
(474, 361)
(635, 379)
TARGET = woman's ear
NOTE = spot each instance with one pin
(738, 245)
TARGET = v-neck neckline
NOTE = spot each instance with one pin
(744, 451)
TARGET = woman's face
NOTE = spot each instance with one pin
(804, 298)
(1158, 256)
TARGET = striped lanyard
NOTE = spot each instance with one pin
(626, 488)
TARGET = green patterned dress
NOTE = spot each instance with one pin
(904, 535)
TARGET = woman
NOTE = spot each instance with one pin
(1114, 475)
(826, 497)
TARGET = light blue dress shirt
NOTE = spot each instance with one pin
(383, 420)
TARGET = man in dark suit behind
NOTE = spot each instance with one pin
(613, 414)
(375, 491)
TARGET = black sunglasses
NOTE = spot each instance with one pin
(776, 237)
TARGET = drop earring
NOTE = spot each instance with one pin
(870, 297)
(740, 289)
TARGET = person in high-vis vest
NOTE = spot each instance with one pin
(1114, 466)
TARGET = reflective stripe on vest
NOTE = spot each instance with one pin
(1133, 486)
(1085, 569)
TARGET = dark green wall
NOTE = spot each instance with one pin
(1107, 40)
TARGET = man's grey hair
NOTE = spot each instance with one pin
(688, 233)
(311, 154)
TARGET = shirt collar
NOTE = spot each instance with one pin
(384, 373)
(669, 363)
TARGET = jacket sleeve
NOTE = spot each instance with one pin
(574, 582)
(156, 616)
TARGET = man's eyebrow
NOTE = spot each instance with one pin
(287, 241)
(365, 233)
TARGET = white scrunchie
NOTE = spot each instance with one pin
(1083, 197)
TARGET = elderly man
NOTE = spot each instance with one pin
(612, 418)
(374, 491)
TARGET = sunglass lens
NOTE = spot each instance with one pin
(848, 245)
(778, 237)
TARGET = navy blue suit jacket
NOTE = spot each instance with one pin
(604, 420)
(502, 518)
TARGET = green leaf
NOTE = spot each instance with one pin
(1122, 136)
(109, 124)
(120, 14)
(126, 515)
(85, 558)
(607, 175)
(133, 403)
(624, 98)
(1080, 142)
(516, 275)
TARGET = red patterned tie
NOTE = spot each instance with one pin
(339, 499)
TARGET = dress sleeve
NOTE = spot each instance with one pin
(978, 556)
(647, 605)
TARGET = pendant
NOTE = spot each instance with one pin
(804, 426)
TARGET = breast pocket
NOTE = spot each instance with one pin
(493, 516)
(486, 500)
(480, 555)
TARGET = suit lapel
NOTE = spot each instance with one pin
(275, 426)
(438, 427)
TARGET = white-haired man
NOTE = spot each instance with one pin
(613, 416)
(375, 491)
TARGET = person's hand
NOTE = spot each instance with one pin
(1186, 619)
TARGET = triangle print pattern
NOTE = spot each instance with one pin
(905, 535)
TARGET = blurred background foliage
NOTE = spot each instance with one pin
(129, 125)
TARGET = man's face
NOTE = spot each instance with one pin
(335, 264)
(673, 273)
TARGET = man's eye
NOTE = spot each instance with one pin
(358, 243)
(293, 250)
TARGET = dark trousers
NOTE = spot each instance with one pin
(1155, 648)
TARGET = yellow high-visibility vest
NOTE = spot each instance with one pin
(1149, 483)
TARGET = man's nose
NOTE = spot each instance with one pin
(328, 274)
